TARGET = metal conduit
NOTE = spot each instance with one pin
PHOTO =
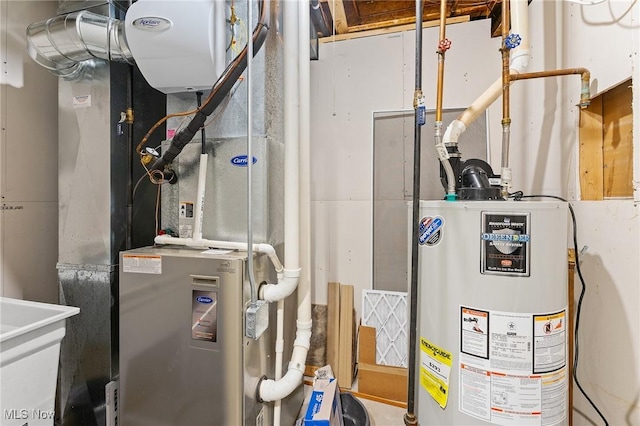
(410, 416)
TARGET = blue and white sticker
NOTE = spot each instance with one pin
(430, 232)
(242, 160)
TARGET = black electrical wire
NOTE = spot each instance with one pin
(519, 196)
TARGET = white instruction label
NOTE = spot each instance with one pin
(185, 231)
(523, 379)
(550, 343)
(142, 264)
(83, 101)
(475, 332)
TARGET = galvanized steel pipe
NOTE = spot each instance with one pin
(410, 416)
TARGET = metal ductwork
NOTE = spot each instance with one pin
(67, 44)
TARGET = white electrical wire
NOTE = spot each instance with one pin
(586, 2)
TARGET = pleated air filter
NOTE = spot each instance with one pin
(387, 312)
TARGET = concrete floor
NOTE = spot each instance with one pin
(383, 414)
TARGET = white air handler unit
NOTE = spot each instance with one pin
(492, 313)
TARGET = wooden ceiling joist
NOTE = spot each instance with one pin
(339, 16)
(391, 30)
(343, 17)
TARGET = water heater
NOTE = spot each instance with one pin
(492, 313)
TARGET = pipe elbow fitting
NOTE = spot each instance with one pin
(519, 61)
(453, 132)
(287, 283)
(270, 251)
(163, 239)
(272, 390)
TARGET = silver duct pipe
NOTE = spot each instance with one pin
(63, 43)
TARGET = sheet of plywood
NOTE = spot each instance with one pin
(617, 156)
(345, 353)
(333, 326)
(367, 347)
(591, 140)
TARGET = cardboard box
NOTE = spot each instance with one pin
(324, 405)
(383, 381)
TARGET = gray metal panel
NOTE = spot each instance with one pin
(86, 352)
(393, 184)
(225, 197)
(67, 6)
(92, 168)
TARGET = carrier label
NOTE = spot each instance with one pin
(505, 243)
(242, 160)
(204, 315)
(435, 369)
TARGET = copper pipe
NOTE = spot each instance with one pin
(506, 119)
(585, 93)
(441, 51)
(443, 155)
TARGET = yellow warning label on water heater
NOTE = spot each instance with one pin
(435, 369)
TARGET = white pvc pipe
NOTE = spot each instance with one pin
(304, 68)
(291, 147)
(277, 406)
(291, 180)
(228, 245)
(202, 178)
(274, 390)
(519, 61)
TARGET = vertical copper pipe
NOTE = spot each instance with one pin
(441, 51)
(506, 119)
(443, 155)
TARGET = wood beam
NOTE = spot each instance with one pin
(338, 15)
(391, 30)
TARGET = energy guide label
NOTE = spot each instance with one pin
(512, 368)
(435, 370)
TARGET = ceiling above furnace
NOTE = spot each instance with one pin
(350, 18)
